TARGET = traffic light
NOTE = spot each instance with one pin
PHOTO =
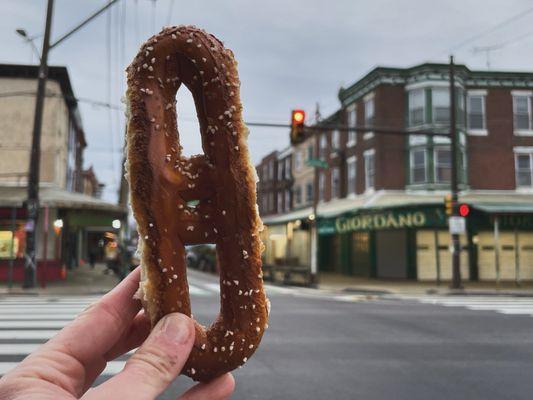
(448, 205)
(464, 210)
(297, 125)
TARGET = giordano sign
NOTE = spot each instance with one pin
(393, 219)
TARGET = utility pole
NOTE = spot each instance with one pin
(32, 203)
(456, 254)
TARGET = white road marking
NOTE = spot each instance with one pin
(112, 368)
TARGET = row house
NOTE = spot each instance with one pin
(379, 200)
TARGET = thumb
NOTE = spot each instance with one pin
(155, 364)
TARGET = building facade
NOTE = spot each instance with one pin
(380, 198)
(70, 207)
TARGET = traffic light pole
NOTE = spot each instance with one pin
(456, 255)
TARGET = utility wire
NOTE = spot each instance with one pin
(492, 29)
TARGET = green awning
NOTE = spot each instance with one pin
(505, 208)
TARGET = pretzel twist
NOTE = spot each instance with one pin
(163, 182)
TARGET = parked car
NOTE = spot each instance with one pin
(202, 257)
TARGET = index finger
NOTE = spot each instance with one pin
(96, 330)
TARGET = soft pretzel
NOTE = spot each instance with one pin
(222, 181)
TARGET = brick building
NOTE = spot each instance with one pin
(380, 200)
(72, 215)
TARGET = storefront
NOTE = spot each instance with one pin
(382, 243)
(66, 221)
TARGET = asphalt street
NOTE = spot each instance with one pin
(332, 346)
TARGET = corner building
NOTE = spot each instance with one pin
(380, 209)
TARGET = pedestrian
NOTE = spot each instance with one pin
(67, 365)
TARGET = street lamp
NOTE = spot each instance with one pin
(22, 32)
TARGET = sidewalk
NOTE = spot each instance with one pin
(80, 281)
(342, 283)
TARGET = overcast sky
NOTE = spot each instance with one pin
(292, 54)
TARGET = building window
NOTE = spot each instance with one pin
(298, 161)
(417, 107)
(288, 174)
(369, 169)
(441, 105)
(264, 175)
(309, 192)
(280, 170)
(443, 165)
(522, 112)
(476, 113)
(352, 174)
(271, 169)
(352, 123)
(287, 200)
(280, 202)
(524, 169)
(309, 152)
(323, 145)
(321, 186)
(335, 140)
(271, 204)
(298, 195)
(369, 116)
(418, 166)
(335, 183)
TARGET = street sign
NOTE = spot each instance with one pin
(457, 225)
(317, 163)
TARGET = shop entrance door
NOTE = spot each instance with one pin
(360, 254)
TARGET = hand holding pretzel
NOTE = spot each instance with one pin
(221, 182)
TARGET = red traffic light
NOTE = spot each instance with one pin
(298, 117)
(464, 210)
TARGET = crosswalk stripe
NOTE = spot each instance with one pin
(112, 368)
(27, 334)
(32, 324)
(500, 304)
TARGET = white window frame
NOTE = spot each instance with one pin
(367, 154)
(435, 150)
(298, 161)
(323, 145)
(412, 165)
(351, 162)
(521, 151)
(321, 186)
(369, 99)
(352, 135)
(523, 93)
(307, 185)
(409, 94)
(445, 90)
(477, 93)
(335, 142)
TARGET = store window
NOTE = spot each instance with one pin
(369, 169)
(417, 107)
(443, 165)
(12, 240)
(418, 166)
(351, 174)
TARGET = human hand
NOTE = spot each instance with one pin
(67, 365)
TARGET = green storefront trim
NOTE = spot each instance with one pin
(378, 219)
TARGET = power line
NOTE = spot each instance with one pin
(513, 18)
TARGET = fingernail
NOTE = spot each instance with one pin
(176, 328)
